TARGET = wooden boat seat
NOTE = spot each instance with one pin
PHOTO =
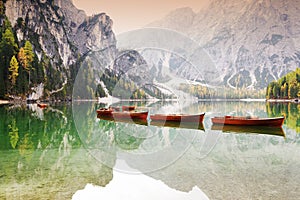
(240, 117)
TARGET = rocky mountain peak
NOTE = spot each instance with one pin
(60, 28)
(250, 42)
(61, 36)
(184, 19)
(73, 16)
(95, 33)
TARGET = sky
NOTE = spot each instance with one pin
(133, 14)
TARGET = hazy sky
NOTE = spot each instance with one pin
(132, 14)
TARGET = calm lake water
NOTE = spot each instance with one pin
(65, 152)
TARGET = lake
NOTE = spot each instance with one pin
(65, 152)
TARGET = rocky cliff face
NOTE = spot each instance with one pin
(251, 42)
(62, 33)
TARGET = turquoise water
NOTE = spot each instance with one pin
(54, 153)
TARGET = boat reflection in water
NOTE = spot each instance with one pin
(185, 125)
(277, 131)
(143, 122)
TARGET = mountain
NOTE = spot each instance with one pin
(251, 42)
(248, 43)
(61, 36)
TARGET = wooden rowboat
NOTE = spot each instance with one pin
(178, 117)
(114, 108)
(124, 120)
(130, 115)
(122, 115)
(42, 105)
(248, 121)
(128, 108)
(105, 112)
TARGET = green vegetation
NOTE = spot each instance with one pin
(19, 66)
(86, 84)
(117, 86)
(32, 70)
(21, 69)
(13, 69)
(203, 92)
(289, 110)
(22, 129)
(28, 56)
(39, 151)
(120, 87)
(2, 8)
(287, 87)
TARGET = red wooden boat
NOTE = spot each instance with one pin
(122, 115)
(124, 120)
(128, 108)
(42, 105)
(248, 121)
(178, 117)
(105, 111)
(114, 108)
(133, 115)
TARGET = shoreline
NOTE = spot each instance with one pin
(3, 102)
(114, 100)
(283, 100)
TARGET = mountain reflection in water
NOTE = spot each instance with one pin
(44, 156)
(136, 187)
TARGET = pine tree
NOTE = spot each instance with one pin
(22, 84)
(2, 8)
(286, 87)
(285, 90)
(8, 48)
(276, 90)
(293, 93)
(21, 81)
(14, 70)
(8, 43)
(29, 56)
(22, 58)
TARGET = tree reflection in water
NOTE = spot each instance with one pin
(41, 155)
(289, 110)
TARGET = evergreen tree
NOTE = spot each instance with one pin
(29, 55)
(276, 90)
(14, 70)
(286, 87)
(22, 58)
(8, 48)
(22, 84)
(38, 75)
(8, 43)
(293, 93)
(2, 8)
(285, 90)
